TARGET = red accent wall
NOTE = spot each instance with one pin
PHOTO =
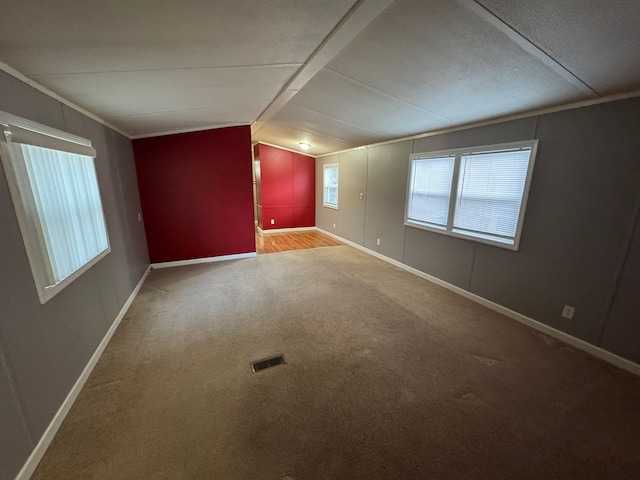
(287, 188)
(197, 193)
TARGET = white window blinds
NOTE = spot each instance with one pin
(330, 185)
(53, 184)
(478, 193)
(490, 189)
(68, 205)
(430, 190)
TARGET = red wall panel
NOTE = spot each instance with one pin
(276, 168)
(287, 188)
(304, 216)
(283, 217)
(196, 193)
(304, 181)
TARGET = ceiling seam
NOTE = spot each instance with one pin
(330, 42)
(171, 69)
(324, 136)
(528, 46)
(386, 94)
(292, 150)
(345, 122)
(154, 112)
(339, 25)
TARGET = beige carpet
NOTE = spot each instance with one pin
(388, 377)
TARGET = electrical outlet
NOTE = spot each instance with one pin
(273, 221)
(334, 225)
(568, 311)
(139, 216)
(361, 196)
(378, 241)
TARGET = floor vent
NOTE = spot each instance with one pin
(267, 363)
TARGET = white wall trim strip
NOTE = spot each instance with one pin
(189, 130)
(40, 449)
(495, 120)
(286, 230)
(589, 348)
(194, 261)
(41, 88)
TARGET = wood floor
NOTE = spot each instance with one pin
(284, 242)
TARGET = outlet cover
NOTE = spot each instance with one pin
(272, 221)
(568, 311)
(377, 241)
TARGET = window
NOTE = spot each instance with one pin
(477, 193)
(53, 184)
(330, 185)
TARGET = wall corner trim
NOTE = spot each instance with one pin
(589, 348)
(194, 261)
(38, 452)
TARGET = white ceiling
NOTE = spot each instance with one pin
(333, 73)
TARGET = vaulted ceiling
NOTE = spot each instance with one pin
(333, 73)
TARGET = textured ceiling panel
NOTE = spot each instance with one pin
(443, 57)
(128, 93)
(597, 41)
(381, 71)
(177, 121)
(43, 37)
(289, 135)
(347, 102)
(323, 125)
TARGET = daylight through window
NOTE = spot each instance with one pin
(54, 188)
(330, 185)
(478, 193)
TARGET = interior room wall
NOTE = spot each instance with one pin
(287, 182)
(197, 193)
(578, 243)
(45, 348)
(621, 331)
(352, 188)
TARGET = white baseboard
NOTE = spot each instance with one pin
(194, 261)
(40, 449)
(598, 352)
(286, 230)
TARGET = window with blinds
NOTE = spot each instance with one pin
(477, 193)
(430, 190)
(53, 184)
(330, 185)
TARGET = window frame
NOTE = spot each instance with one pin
(15, 131)
(324, 200)
(458, 154)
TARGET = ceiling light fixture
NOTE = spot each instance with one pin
(304, 146)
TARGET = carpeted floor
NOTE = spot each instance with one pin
(387, 377)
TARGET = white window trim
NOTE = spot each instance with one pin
(337, 166)
(458, 152)
(16, 129)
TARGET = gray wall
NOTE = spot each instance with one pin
(44, 348)
(580, 241)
